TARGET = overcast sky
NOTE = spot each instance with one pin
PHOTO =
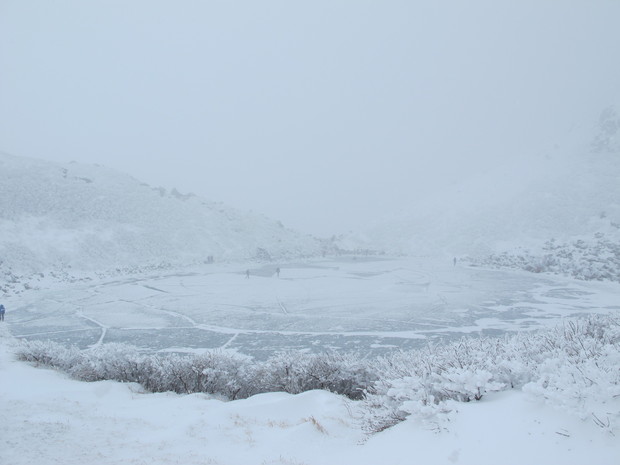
(323, 114)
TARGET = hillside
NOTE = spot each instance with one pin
(570, 189)
(92, 218)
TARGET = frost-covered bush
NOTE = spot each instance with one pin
(567, 366)
(422, 382)
(218, 373)
(583, 364)
(227, 375)
(296, 372)
(48, 353)
(120, 362)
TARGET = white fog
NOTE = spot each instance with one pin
(295, 233)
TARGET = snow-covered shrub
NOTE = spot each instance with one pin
(583, 364)
(117, 361)
(296, 372)
(225, 374)
(216, 372)
(423, 382)
(567, 366)
(48, 353)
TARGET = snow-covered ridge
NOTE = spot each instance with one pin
(91, 218)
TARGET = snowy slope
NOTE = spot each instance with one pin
(570, 188)
(90, 217)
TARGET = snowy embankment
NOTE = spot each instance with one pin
(566, 412)
(595, 257)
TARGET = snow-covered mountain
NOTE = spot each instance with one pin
(570, 189)
(93, 218)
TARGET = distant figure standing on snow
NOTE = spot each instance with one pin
(2, 310)
(454, 261)
(278, 272)
(247, 274)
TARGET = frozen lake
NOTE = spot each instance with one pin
(364, 305)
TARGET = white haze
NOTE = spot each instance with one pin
(321, 114)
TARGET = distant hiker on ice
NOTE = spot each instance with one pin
(454, 261)
(2, 310)
(247, 274)
(278, 272)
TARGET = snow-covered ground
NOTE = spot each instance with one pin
(47, 418)
(366, 305)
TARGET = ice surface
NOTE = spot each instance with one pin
(366, 305)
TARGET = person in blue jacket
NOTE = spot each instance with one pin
(2, 310)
